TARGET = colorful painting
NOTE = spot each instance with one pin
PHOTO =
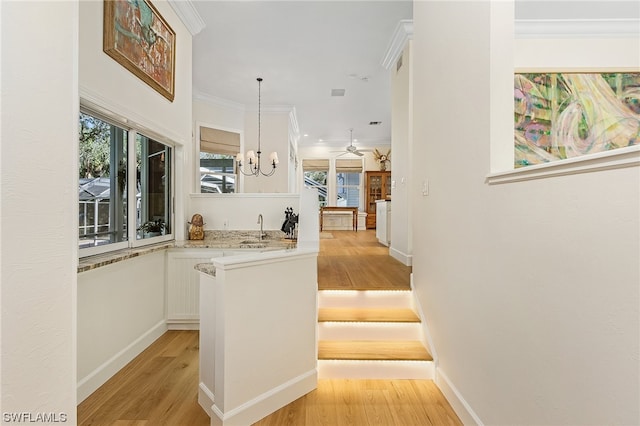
(138, 38)
(566, 115)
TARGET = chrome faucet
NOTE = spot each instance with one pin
(261, 222)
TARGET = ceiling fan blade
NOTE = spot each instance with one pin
(358, 153)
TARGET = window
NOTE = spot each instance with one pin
(102, 183)
(348, 178)
(107, 197)
(348, 185)
(153, 191)
(217, 173)
(315, 176)
(217, 160)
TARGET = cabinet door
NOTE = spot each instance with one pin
(183, 286)
(377, 189)
(386, 187)
(374, 191)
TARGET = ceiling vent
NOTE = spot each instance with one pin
(375, 123)
(337, 92)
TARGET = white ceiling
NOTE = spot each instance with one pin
(304, 49)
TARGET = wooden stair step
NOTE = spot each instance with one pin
(388, 350)
(367, 315)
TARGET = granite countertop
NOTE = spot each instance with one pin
(273, 240)
(207, 268)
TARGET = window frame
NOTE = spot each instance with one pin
(224, 175)
(358, 187)
(327, 184)
(349, 166)
(132, 130)
(197, 174)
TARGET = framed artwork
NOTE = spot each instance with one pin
(566, 115)
(139, 39)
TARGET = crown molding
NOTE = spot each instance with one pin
(577, 28)
(402, 34)
(276, 109)
(218, 102)
(188, 14)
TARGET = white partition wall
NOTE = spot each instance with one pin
(240, 211)
(258, 334)
(518, 281)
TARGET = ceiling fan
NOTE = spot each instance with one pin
(350, 149)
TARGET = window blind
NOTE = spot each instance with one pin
(348, 165)
(315, 165)
(219, 141)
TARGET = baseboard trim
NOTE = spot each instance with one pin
(426, 334)
(405, 259)
(206, 399)
(88, 384)
(268, 402)
(183, 325)
(458, 403)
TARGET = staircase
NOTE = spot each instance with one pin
(370, 334)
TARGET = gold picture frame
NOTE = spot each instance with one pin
(137, 37)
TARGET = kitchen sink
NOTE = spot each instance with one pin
(252, 244)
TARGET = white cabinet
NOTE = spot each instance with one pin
(183, 283)
(383, 222)
(183, 286)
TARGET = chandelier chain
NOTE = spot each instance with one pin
(254, 163)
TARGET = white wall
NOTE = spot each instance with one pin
(530, 288)
(401, 180)
(269, 350)
(121, 310)
(39, 207)
(106, 84)
(274, 136)
(240, 211)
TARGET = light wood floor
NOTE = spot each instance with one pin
(160, 386)
(356, 261)
(367, 402)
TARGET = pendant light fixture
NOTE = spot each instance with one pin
(253, 158)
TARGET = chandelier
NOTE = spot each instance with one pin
(253, 158)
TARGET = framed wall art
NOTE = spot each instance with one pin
(566, 115)
(139, 39)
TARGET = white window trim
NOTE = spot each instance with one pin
(90, 108)
(196, 155)
(359, 187)
(95, 250)
(614, 159)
